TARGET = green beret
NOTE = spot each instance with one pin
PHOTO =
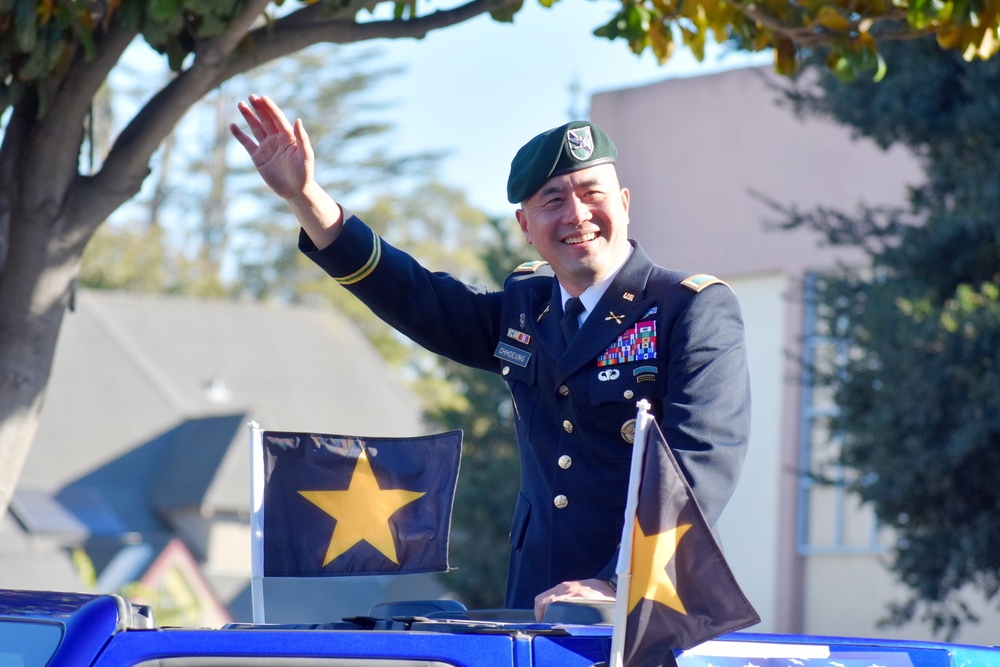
(561, 150)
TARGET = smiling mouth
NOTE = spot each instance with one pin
(580, 238)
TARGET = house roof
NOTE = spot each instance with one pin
(33, 562)
(146, 417)
(149, 400)
(141, 378)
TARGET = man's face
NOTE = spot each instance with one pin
(579, 224)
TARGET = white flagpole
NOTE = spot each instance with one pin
(624, 568)
(257, 522)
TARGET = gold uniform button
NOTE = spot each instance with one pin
(568, 426)
(505, 370)
(563, 390)
(565, 462)
(560, 501)
(629, 394)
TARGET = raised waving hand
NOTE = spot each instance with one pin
(283, 156)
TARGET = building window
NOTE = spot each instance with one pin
(831, 519)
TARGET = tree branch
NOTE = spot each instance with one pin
(811, 37)
(55, 142)
(309, 26)
(218, 60)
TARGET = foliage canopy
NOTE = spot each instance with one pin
(40, 38)
(850, 31)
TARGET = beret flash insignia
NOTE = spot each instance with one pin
(581, 142)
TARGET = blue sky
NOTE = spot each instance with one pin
(481, 89)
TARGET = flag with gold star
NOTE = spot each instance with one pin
(338, 505)
(682, 592)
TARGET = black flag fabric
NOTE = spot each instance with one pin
(682, 591)
(339, 505)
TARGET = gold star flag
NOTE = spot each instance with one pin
(348, 505)
(682, 592)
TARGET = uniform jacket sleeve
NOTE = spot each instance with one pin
(435, 310)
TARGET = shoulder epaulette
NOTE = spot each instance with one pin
(700, 281)
(530, 267)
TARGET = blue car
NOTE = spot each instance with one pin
(39, 629)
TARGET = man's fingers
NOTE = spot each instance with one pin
(589, 589)
(540, 606)
(272, 118)
(543, 599)
(302, 139)
(249, 144)
(252, 121)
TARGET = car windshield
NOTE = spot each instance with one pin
(28, 644)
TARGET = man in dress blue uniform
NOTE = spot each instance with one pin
(579, 338)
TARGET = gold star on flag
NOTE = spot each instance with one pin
(362, 512)
(650, 580)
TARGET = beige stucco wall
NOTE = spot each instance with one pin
(850, 594)
(698, 153)
(749, 532)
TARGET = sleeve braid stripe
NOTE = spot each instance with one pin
(368, 266)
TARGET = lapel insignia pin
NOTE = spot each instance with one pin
(628, 296)
(543, 314)
(617, 318)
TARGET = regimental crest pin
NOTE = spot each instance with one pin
(581, 143)
(628, 431)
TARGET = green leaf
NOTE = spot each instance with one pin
(844, 69)
(26, 25)
(176, 53)
(784, 57)
(156, 35)
(830, 18)
(163, 10)
(404, 9)
(615, 28)
(506, 15)
(130, 14)
(36, 66)
(637, 21)
(881, 69)
(211, 26)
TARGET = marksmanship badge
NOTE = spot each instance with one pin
(581, 143)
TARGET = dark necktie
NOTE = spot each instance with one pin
(570, 321)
